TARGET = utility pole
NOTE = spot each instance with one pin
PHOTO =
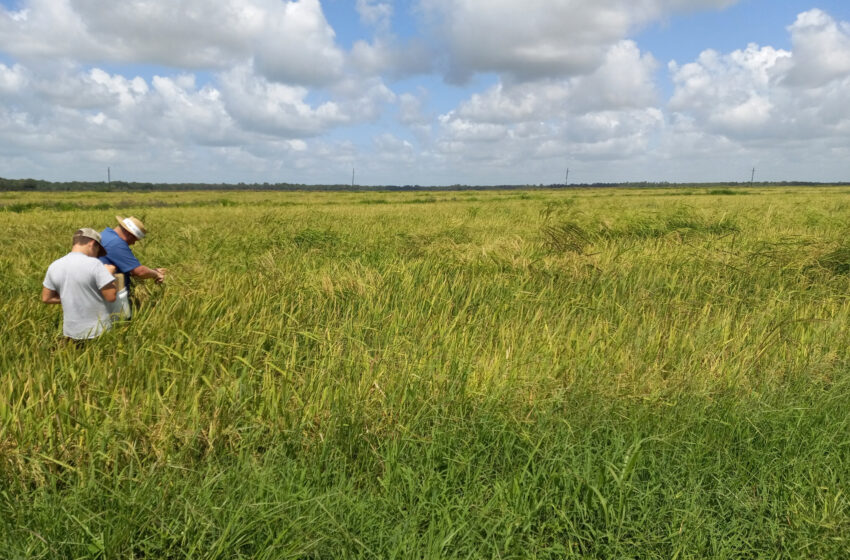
(108, 176)
(352, 177)
(567, 178)
(752, 176)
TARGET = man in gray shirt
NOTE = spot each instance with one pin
(83, 285)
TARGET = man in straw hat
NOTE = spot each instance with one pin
(117, 242)
(83, 286)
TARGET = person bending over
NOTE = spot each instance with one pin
(117, 242)
(83, 286)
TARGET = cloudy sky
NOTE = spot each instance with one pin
(428, 92)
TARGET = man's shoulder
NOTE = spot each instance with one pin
(77, 259)
(73, 262)
(64, 259)
(108, 235)
(58, 263)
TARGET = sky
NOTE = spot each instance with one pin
(425, 92)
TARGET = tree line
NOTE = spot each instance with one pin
(39, 185)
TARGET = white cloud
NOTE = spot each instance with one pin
(515, 103)
(94, 89)
(528, 126)
(571, 89)
(412, 114)
(392, 149)
(363, 99)
(387, 55)
(785, 112)
(188, 114)
(13, 79)
(375, 12)
(728, 93)
(540, 38)
(821, 50)
(762, 92)
(268, 107)
(44, 29)
(628, 131)
(410, 110)
(273, 108)
(298, 45)
(623, 81)
(459, 129)
(103, 113)
(753, 113)
(752, 106)
(291, 39)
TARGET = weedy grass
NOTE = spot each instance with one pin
(567, 374)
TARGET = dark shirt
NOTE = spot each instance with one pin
(118, 253)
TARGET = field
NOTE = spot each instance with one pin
(543, 374)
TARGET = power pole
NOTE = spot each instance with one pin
(108, 176)
(752, 176)
(352, 177)
(567, 178)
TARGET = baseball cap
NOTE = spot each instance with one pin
(91, 234)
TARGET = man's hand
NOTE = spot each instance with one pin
(111, 268)
(157, 274)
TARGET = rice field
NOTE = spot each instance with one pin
(608, 373)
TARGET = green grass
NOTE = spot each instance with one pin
(604, 374)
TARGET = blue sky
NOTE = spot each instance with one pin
(429, 92)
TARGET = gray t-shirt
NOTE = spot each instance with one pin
(78, 279)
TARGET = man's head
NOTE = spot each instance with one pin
(131, 229)
(87, 240)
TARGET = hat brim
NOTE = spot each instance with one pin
(101, 251)
(121, 223)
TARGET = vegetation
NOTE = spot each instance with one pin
(509, 374)
(38, 185)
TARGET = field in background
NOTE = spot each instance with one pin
(542, 374)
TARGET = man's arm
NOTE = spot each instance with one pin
(109, 292)
(142, 271)
(49, 296)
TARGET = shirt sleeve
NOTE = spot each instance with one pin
(101, 275)
(49, 283)
(122, 257)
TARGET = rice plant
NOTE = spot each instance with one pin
(639, 374)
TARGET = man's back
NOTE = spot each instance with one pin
(118, 252)
(78, 279)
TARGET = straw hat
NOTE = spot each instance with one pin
(133, 225)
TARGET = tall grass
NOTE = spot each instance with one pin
(569, 374)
